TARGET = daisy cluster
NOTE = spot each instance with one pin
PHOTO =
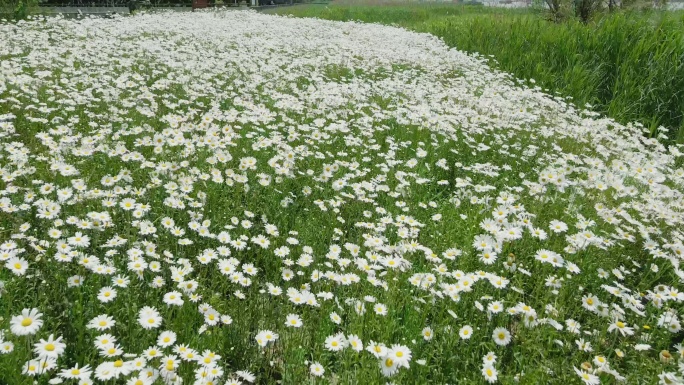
(230, 197)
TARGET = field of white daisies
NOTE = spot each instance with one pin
(235, 198)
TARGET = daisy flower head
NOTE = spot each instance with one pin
(400, 354)
(264, 337)
(166, 339)
(621, 327)
(669, 378)
(489, 359)
(6, 347)
(495, 307)
(378, 349)
(316, 369)
(335, 318)
(111, 350)
(355, 342)
(336, 342)
(246, 375)
(587, 378)
(466, 332)
(293, 320)
(489, 373)
(149, 318)
(27, 323)
(101, 322)
(104, 340)
(50, 348)
(76, 372)
(140, 379)
(642, 347)
(17, 265)
(169, 364)
(665, 356)
(501, 336)
(388, 366)
(173, 298)
(380, 309)
(600, 361)
(32, 368)
(558, 227)
(75, 281)
(427, 333)
(107, 294)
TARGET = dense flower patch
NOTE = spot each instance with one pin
(228, 197)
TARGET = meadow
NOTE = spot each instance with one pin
(228, 197)
(625, 65)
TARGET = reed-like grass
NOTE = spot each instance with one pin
(628, 66)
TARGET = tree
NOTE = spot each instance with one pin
(585, 9)
(561, 10)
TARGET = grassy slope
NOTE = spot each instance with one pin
(627, 66)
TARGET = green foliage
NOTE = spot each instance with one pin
(17, 9)
(627, 65)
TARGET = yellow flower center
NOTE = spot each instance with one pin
(389, 362)
(26, 322)
(118, 363)
(50, 347)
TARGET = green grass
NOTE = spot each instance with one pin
(628, 66)
(390, 125)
